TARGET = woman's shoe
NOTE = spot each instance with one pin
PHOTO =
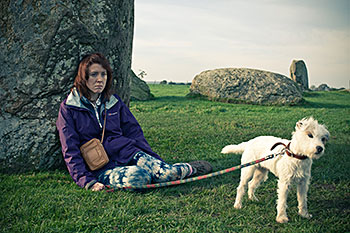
(200, 167)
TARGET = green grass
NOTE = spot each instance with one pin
(181, 129)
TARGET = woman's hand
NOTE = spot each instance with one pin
(97, 187)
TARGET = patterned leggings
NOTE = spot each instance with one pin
(146, 170)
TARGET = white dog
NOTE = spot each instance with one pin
(308, 143)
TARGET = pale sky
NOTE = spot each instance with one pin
(175, 40)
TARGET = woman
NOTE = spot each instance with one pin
(131, 160)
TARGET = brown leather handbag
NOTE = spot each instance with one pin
(93, 151)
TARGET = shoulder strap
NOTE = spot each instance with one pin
(104, 125)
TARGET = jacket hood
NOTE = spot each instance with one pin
(74, 100)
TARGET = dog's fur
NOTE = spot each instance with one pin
(309, 139)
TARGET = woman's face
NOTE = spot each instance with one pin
(97, 79)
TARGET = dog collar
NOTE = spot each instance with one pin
(288, 151)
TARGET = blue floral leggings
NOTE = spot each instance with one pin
(146, 170)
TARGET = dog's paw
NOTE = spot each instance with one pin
(238, 206)
(226, 149)
(252, 197)
(282, 219)
(305, 215)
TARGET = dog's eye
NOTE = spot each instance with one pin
(324, 140)
(310, 135)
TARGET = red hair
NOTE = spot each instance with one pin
(83, 74)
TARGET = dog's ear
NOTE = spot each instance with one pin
(303, 123)
(326, 136)
(300, 124)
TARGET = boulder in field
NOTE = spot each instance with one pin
(139, 90)
(323, 87)
(243, 85)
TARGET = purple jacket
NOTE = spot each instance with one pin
(77, 124)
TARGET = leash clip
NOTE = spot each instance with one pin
(282, 152)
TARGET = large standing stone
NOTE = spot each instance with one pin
(241, 85)
(298, 73)
(139, 88)
(41, 43)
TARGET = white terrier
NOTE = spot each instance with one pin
(308, 143)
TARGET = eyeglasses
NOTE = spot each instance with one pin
(95, 74)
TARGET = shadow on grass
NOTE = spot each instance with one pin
(171, 98)
(165, 99)
(304, 104)
(308, 104)
(340, 205)
(324, 100)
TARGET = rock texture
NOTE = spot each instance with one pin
(139, 88)
(247, 86)
(298, 73)
(41, 43)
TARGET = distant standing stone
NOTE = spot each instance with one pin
(298, 73)
(242, 85)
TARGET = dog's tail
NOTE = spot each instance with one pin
(237, 149)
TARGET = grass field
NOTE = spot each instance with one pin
(181, 129)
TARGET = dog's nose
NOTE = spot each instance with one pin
(319, 149)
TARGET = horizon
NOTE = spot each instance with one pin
(176, 40)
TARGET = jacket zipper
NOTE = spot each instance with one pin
(97, 115)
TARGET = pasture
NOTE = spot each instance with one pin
(181, 130)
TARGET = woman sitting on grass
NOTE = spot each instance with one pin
(131, 160)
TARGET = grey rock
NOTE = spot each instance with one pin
(41, 44)
(242, 85)
(139, 88)
(323, 87)
(298, 73)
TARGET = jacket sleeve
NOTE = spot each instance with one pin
(132, 130)
(70, 143)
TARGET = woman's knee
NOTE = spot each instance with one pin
(138, 176)
(128, 176)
